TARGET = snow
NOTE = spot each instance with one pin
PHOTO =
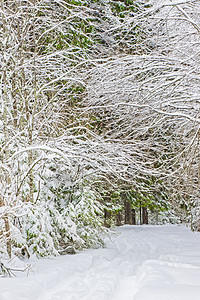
(140, 262)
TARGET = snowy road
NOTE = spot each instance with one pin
(143, 262)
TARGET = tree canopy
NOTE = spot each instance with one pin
(99, 119)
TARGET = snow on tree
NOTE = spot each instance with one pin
(40, 52)
(99, 99)
(150, 102)
(44, 45)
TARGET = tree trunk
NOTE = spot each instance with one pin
(118, 219)
(133, 217)
(8, 239)
(129, 213)
(140, 214)
(107, 217)
(144, 215)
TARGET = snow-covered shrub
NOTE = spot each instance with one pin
(64, 214)
(86, 212)
(47, 231)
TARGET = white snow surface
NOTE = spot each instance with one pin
(139, 263)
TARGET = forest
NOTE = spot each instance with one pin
(99, 120)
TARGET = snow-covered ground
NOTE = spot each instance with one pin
(141, 262)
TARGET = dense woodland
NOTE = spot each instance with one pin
(99, 120)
